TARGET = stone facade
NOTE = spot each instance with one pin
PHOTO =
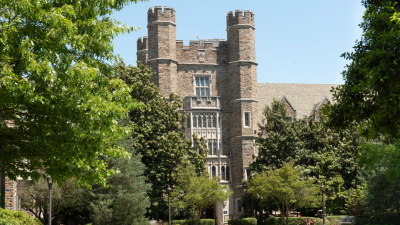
(217, 80)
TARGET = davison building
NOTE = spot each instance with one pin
(217, 81)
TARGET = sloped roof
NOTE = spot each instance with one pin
(303, 97)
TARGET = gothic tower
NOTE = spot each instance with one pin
(162, 47)
(243, 104)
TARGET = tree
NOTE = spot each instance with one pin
(371, 91)
(285, 188)
(125, 200)
(157, 135)
(56, 107)
(68, 202)
(328, 157)
(374, 156)
(196, 192)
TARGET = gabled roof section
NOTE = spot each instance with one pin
(304, 98)
(319, 105)
(288, 102)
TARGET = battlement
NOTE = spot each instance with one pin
(157, 14)
(142, 43)
(238, 18)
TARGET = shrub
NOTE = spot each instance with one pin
(190, 222)
(9, 217)
(243, 221)
(292, 220)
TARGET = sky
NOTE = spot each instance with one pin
(296, 41)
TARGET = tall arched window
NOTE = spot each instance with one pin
(223, 173)
(227, 173)
(209, 148)
(215, 148)
(199, 122)
(204, 122)
(194, 121)
(214, 173)
(214, 122)
(209, 121)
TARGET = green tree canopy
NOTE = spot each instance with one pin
(371, 93)
(58, 102)
(157, 134)
(285, 188)
(196, 192)
(327, 157)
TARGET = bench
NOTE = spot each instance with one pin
(347, 220)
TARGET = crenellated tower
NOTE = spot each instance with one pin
(143, 49)
(162, 47)
(243, 104)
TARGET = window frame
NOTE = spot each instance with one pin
(200, 87)
(244, 118)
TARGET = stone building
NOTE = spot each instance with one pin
(217, 81)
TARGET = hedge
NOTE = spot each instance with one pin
(190, 222)
(292, 220)
(243, 221)
(9, 217)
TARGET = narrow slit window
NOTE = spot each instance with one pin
(201, 81)
(223, 173)
(209, 121)
(194, 121)
(209, 148)
(204, 122)
(215, 148)
(227, 173)
(214, 172)
(247, 119)
(199, 122)
(214, 122)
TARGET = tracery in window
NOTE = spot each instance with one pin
(199, 122)
(194, 121)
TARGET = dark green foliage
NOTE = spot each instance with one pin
(68, 201)
(157, 134)
(292, 220)
(190, 222)
(371, 91)
(321, 154)
(9, 217)
(243, 221)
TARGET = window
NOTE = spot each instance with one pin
(213, 171)
(199, 122)
(215, 148)
(209, 148)
(202, 86)
(219, 121)
(239, 205)
(227, 173)
(194, 121)
(248, 174)
(204, 122)
(209, 121)
(223, 173)
(188, 123)
(247, 119)
(214, 121)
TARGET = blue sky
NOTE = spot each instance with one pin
(296, 41)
